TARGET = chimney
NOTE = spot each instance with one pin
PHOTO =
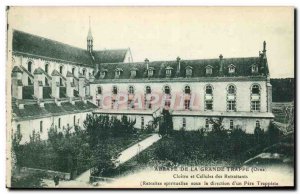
(70, 85)
(81, 85)
(178, 68)
(17, 85)
(55, 84)
(38, 83)
(147, 63)
(221, 65)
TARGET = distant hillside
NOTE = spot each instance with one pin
(283, 89)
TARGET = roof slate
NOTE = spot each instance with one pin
(243, 68)
(110, 56)
(35, 45)
(34, 110)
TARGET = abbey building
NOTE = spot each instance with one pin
(57, 85)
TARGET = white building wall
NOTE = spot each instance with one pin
(53, 65)
(243, 93)
(28, 126)
(195, 123)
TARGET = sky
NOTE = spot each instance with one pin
(163, 33)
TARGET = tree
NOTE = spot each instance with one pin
(166, 125)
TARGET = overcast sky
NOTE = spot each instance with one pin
(167, 32)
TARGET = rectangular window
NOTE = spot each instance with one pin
(41, 126)
(183, 123)
(142, 122)
(231, 124)
(99, 90)
(231, 105)
(206, 123)
(74, 120)
(208, 105)
(59, 120)
(255, 105)
(187, 104)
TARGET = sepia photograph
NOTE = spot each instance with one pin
(150, 97)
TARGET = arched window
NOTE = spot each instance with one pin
(208, 90)
(99, 90)
(83, 71)
(131, 90)
(187, 90)
(41, 126)
(60, 69)
(231, 100)
(183, 123)
(231, 124)
(255, 98)
(46, 82)
(73, 70)
(29, 66)
(74, 120)
(167, 90)
(115, 90)
(148, 90)
(19, 128)
(60, 82)
(208, 97)
(188, 71)
(46, 67)
(255, 89)
(257, 124)
(231, 69)
(59, 122)
(231, 89)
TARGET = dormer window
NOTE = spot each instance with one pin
(169, 71)
(133, 72)
(103, 73)
(254, 68)
(118, 72)
(231, 69)
(188, 71)
(150, 72)
(208, 70)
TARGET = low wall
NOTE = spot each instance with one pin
(102, 179)
(49, 173)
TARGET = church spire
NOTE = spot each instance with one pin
(89, 38)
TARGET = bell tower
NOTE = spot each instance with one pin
(89, 38)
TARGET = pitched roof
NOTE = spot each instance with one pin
(34, 110)
(38, 71)
(17, 69)
(243, 68)
(110, 56)
(36, 45)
